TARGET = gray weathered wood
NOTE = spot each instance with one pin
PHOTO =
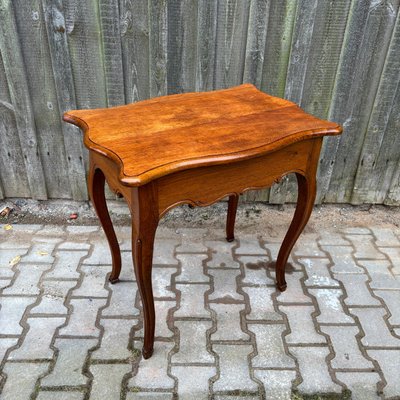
(36, 54)
(20, 99)
(231, 42)
(256, 38)
(182, 45)
(368, 34)
(134, 21)
(112, 52)
(64, 86)
(206, 38)
(158, 47)
(381, 148)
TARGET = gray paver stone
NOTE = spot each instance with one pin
(301, 325)
(389, 361)
(36, 344)
(295, 292)
(332, 238)
(228, 322)
(345, 346)
(192, 268)
(222, 255)
(254, 268)
(318, 272)
(271, 353)
(107, 380)
(7, 258)
(122, 301)
(385, 237)
(364, 246)
(52, 395)
(314, 371)
(149, 396)
(93, 282)
(277, 384)
(11, 311)
(193, 381)
(16, 388)
(249, 245)
(68, 367)
(376, 331)
(5, 344)
(392, 301)
(234, 371)
(381, 277)
(225, 284)
(162, 282)
(164, 252)
(330, 306)
(343, 262)
(152, 373)
(66, 264)
(307, 246)
(394, 257)
(192, 342)
(83, 317)
(192, 240)
(192, 301)
(261, 304)
(115, 339)
(361, 384)
(40, 253)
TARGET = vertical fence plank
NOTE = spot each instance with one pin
(59, 53)
(231, 42)
(206, 37)
(182, 45)
(35, 50)
(158, 47)
(12, 169)
(134, 15)
(367, 38)
(20, 99)
(256, 38)
(379, 152)
(112, 52)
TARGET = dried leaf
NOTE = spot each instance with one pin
(15, 260)
(42, 253)
(7, 227)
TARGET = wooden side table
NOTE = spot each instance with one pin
(197, 148)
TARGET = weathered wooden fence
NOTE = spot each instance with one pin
(339, 59)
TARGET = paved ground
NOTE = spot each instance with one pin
(223, 331)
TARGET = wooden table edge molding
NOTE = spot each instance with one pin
(197, 148)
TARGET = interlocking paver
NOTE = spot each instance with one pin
(318, 272)
(277, 384)
(93, 282)
(11, 311)
(307, 246)
(270, 349)
(164, 252)
(222, 255)
(5, 344)
(301, 325)
(7, 259)
(51, 395)
(254, 270)
(361, 384)
(66, 264)
(36, 344)
(332, 238)
(234, 371)
(389, 361)
(40, 252)
(16, 388)
(107, 381)
(249, 245)
(224, 281)
(122, 301)
(70, 360)
(330, 306)
(394, 257)
(162, 282)
(364, 246)
(83, 317)
(385, 237)
(346, 348)
(53, 297)
(376, 331)
(27, 280)
(192, 268)
(228, 322)
(343, 261)
(314, 371)
(149, 396)
(193, 343)
(193, 381)
(357, 290)
(261, 304)
(156, 368)
(392, 301)
(192, 301)
(381, 277)
(296, 293)
(192, 240)
(115, 339)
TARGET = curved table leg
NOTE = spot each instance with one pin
(96, 181)
(231, 217)
(305, 202)
(144, 211)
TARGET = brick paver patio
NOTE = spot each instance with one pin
(223, 330)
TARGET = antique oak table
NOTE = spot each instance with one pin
(197, 148)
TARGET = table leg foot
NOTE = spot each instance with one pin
(231, 217)
(113, 280)
(147, 353)
(281, 287)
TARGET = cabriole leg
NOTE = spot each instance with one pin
(231, 217)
